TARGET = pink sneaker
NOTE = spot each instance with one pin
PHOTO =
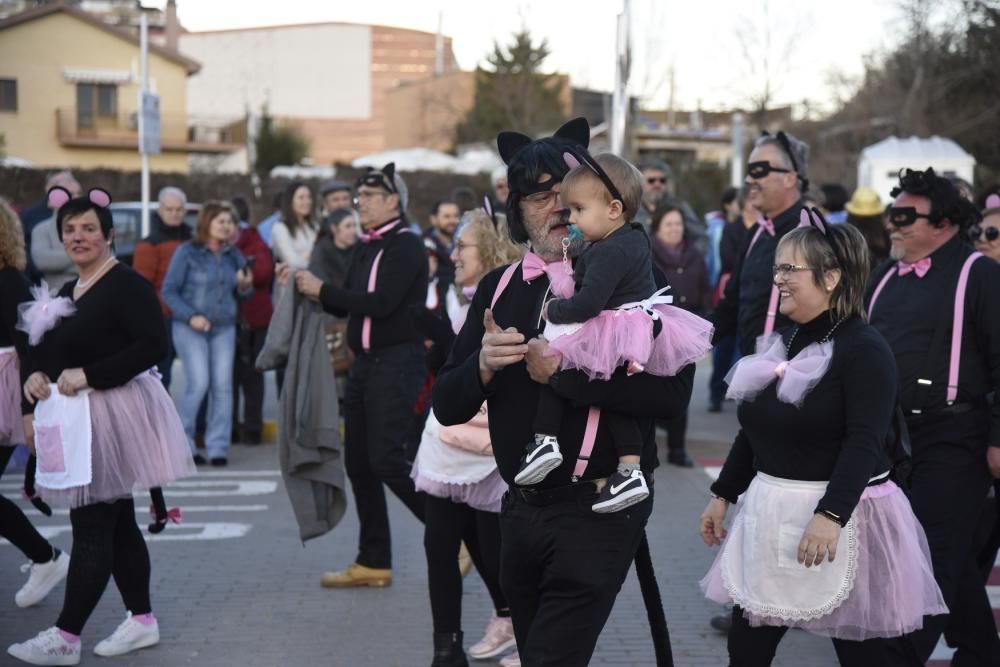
(498, 639)
(512, 660)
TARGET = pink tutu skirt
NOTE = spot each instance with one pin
(484, 495)
(138, 443)
(11, 420)
(615, 338)
(894, 586)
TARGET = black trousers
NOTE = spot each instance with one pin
(676, 429)
(15, 526)
(624, 430)
(561, 568)
(949, 484)
(755, 647)
(446, 525)
(378, 410)
(249, 343)
(106, 543)
(166, 365)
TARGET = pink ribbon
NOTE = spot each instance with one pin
(377, 234)
(560, 277)
(469, 291)
(795, 377)
(920, 267)
(173, 514)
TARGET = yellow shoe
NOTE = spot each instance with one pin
(357, 575)
(464, 560)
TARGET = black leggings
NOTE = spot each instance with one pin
(106, 542)
(15, 526)
(755, 647)
(446, 525)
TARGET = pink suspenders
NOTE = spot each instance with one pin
(593, 415)
(366, 324)
(958, 320)
(772, 302)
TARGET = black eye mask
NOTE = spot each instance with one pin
(904, 216)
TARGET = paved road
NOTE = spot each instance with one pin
(233, 585)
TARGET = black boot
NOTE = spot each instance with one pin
(448, 650)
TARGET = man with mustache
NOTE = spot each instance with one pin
(776, 178)
(562, 565)
(934, 302)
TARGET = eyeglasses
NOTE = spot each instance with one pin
(540, 200)
(459, 247)
(365, 195)
(988, 234)
(782, 272)
(759, 170)
(904, 216)
(653, 180)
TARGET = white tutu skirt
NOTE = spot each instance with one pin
(615, 338)
(888, 590)
(138, 442)
(11, 420)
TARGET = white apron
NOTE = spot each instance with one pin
(760, 567)
(63, 437)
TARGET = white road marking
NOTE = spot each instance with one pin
(185, 532)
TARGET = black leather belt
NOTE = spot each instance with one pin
(542, 497)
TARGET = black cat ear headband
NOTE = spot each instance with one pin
(579, 155)
(786, 145)
(573, 133)
(379, 178)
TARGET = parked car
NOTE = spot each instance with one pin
(127, 217)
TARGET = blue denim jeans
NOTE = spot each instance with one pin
(208, 365)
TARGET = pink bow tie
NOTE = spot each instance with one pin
(766, 224)
(560, 276)
(378, 233)
(920, 267)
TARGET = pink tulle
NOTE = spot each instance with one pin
(796, 377)
(11, 421)
(483, 495)
(138, 443)
(894, 587)
(618, 337)
(36, 317)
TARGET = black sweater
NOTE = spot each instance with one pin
(14, 290)
(840, 432)
(400, 284)
(116, 333)
(513, 396)
(610, 273)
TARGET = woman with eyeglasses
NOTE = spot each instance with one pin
(822, 539)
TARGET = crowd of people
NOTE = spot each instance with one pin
(503, 371)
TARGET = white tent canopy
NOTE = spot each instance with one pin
(879, 165)
(424, 159)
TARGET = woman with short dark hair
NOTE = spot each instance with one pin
(206, 278)
(811, 467)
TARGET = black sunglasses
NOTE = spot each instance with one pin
(904, 216)
(657, 179)
(759, 170)
(989, 234)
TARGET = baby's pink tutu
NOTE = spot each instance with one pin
(138, 443)
(617, 337)
(11, 420)
(894, 586)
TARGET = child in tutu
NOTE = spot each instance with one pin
(615, 318)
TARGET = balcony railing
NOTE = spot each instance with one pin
(178, 133)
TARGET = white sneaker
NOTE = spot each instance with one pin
(512, 660)
(499, 638)
(129, 636)
(47, 648)
(43, 578)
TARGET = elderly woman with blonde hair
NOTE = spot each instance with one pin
(456, 469)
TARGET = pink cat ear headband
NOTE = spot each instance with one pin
(58, 196)
(992, 202)
(812, 218)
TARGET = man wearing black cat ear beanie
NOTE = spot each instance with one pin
(561, 564)
(387, 276)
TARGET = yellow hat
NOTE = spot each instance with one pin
(864, 202)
